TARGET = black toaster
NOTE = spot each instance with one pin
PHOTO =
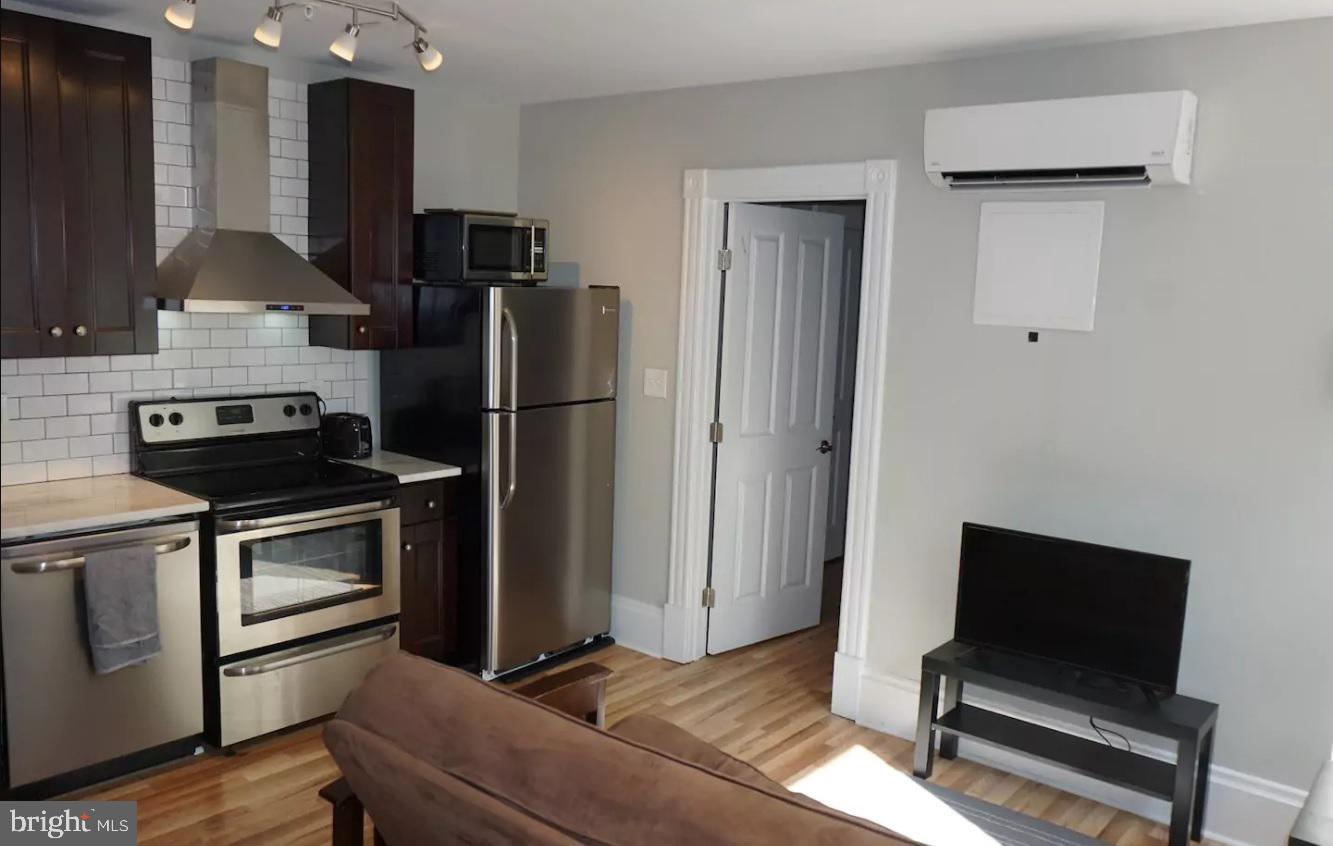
(345, 435)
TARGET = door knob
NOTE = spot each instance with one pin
(361, 329)
(56, 331)
(825, 447)
(407, 547)
(81, 330)
(430, 503)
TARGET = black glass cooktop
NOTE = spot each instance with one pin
(270, 484)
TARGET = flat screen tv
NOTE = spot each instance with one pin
(1097, 608)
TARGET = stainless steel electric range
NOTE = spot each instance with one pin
(300, 590)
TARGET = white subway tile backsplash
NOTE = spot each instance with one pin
(24, 430)
(91, 445)
(42, 407)
(106, 465)
(88, 364)
(90, 403)
(171, 359)
(79, 405)
(152, 380)
(247, 356)
(116, 380)
(68, 427)
(196, 377)
(72, 468)
(134, 362)
(46, 449)
(212, 358)
(29, 366)
(227, 337)
(65, 383)
(23, 474)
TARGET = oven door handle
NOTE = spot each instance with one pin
(312, 653)
(230, 526)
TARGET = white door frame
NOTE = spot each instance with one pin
(706, 192)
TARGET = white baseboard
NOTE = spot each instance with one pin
(637, 625)
(1243, 809)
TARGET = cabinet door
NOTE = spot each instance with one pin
(32, 273)
(361, 208)
(106, 149)
(422, 620)
(78, 226)
(381, 213)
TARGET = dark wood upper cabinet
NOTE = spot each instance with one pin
(78, 226)
(361, 208)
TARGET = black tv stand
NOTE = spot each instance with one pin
(1189, 722)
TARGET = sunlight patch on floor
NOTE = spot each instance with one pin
(860, 783)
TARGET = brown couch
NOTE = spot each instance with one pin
(436, 756)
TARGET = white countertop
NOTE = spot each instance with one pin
(70, 505)
(407, 468)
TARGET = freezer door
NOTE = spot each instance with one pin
(549, 477)
(550, 345)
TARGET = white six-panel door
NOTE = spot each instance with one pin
(776, 388)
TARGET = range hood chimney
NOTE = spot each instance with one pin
(231, 262)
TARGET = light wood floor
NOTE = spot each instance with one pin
(767, 704)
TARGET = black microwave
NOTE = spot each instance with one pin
(463, 246)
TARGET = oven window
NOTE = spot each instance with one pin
(500, 248)
(290, 574)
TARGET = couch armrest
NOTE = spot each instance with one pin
(579, 691)
(1314, 826)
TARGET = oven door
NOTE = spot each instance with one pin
(293, 575)
(503, 249)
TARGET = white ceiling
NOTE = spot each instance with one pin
(536, 50)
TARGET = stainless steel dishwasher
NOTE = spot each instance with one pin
(60, 716)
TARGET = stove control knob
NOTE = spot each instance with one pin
(305, 408)
(154, 420)
(175, 418)
(289, 410)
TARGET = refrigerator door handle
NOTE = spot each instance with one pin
(507, 322)
(510, 459)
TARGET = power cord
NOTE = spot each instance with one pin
(1101, 732)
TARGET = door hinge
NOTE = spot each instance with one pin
(709, 597)
(724, 259)
(715, 431)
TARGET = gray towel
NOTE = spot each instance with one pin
(120, 590)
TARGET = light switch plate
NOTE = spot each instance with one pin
(654, 382)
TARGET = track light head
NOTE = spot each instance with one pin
(344, 46)
(180, 14)
(269, 31)
(427, 55)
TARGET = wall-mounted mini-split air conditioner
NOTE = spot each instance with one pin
(1084, 142)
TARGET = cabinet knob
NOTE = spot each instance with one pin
(80, 330)
(361, 329)
(56, 331)
(430, 503)
(407, 547)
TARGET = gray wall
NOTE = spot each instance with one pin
(1197, 420)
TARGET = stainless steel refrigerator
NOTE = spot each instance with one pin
(517, 386)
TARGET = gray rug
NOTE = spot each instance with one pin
(1009, 828)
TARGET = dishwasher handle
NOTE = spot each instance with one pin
(42, 564)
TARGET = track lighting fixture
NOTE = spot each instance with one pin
(427, 55)
(180, 14)
(344, 46)
(269, 31)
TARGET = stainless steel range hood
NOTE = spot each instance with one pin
(231, 262)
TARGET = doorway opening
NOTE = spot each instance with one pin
(707, 194)
(784, 401)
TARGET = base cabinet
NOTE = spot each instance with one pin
(429, 556)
